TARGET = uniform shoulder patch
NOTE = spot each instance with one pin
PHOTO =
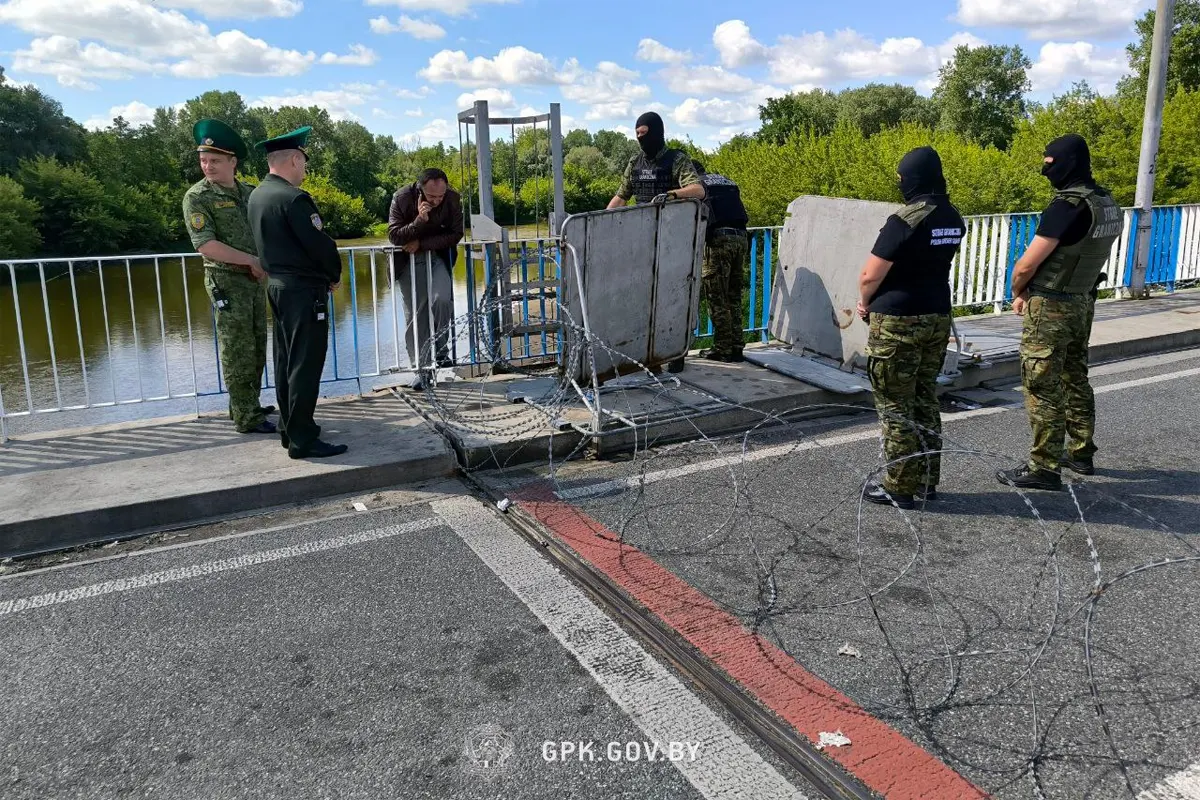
(316, 221)
(198, 221)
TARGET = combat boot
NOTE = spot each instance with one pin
(1082, 466)
(877, 495)
(318, 449)
(1025, 477)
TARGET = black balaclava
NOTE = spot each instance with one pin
(655, 139)
(921, 173)
(1072, 163)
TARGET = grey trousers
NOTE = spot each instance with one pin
(417, 311)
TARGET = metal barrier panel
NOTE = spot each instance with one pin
(632, 280)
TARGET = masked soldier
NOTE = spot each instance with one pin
(303, 266)
(1054, 286)
(657, 173)
(725, 250)
(904, 293)
(214, 210)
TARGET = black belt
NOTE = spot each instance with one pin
(727, 232)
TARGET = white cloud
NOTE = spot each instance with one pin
(235, 53)
(381, 114)
(117, 23)
(416, 28)
(513, 66)
(817, 58)
(414, 112)
(714, 112)
(497, 99)
(736, 46)
(340, 103)
(706, 80)
(1061, 64)
(453, 8)
(136, 114)
(1044, 19)
(72, 64)
(409, 94)
(438, 130)
(609, 91)
(359, 56)
(658, 53)
(238, 9)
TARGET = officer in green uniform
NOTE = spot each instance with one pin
(214, 210)
(904, 295)
(725, 249)
(303, 266)
(1054, 286)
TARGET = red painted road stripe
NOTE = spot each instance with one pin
(880, 757)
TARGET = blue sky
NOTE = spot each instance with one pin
(404, 67)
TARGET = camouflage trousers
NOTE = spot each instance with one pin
(242, 340)
(1054, 372)
(721, 280)
(904, 357)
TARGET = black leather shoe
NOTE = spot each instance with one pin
(875, 494)
(1082, 466)
(1024, 477)
(266, 426)
(713, 355)
(267, 410)
(318, 449)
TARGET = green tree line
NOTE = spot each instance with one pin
(65, 190)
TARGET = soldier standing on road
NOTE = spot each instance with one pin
(214, 210)
(303, 266)
(1054, 285)
(905, 298)
(725, 251)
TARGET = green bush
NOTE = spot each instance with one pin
(344, 217)
(79, 216)
(19, 235)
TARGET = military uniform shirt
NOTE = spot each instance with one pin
(214, 213)
(683, 173)
(290, 234)
(919, 281)
(1066, 222)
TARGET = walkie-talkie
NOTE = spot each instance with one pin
(220, 301)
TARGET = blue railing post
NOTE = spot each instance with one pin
(752, 319)
(766, 290)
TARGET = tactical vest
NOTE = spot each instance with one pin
(1074, 269)
(654, 177)
(724, 201)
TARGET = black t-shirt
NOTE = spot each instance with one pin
(921, 256)
(1065, 222)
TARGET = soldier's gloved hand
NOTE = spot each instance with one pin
(659, 199)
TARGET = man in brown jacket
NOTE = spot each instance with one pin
(425, 221)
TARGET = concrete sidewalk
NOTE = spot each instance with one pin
(83, 486)
(96, 484)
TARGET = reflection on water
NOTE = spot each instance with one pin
(144, 328)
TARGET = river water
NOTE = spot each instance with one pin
(144, 330)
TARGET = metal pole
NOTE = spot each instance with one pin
(483, 157)
(556, 167)
(1156, 88)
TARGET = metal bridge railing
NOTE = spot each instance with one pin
(93, 333)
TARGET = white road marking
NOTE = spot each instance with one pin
(657, 702)
(775, 451)
(1180, 786)
(208, 568)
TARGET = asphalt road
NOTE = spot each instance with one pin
(1041, 644)
(373, 656)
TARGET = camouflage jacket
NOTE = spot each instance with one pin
(213, 213)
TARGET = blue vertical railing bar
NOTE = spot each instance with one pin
(354, 322)
(752, 316)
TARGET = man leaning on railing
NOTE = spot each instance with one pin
(425, 221)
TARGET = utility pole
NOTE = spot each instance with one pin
(1156, 88)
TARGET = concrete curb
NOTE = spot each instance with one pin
(73, 529)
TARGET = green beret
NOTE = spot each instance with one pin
(214, 136)
(294, 140)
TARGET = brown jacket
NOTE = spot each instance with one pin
(442, 231)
